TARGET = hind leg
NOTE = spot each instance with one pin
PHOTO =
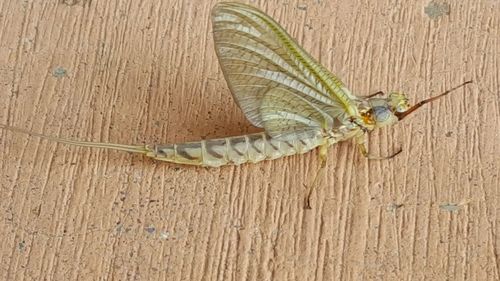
(323, 150)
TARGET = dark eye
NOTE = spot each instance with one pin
(381, 113)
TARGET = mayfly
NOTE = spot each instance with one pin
(280, 88)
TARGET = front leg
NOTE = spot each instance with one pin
(361, 141)
(375, 94)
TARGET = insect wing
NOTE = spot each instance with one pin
(287, 115)
(275, 82)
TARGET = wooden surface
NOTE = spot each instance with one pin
(145, 71)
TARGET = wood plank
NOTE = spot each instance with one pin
(145, 71)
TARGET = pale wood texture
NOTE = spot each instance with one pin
(145, 71)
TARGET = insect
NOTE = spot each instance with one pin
(280, 88)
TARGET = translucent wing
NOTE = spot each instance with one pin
(287, 115)
(275, 82)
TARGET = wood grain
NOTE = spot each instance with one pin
(145, 71)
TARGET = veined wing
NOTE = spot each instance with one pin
(287, 115)
(274, 81)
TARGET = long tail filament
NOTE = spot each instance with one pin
(122, 147)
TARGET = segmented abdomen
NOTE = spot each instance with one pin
(232, 150)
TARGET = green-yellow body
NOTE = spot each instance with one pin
(299, 104)
(250, 148)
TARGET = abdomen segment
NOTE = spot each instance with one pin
(232, 150)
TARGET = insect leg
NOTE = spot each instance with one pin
(323, 150)
(360, 139)
(375, 94)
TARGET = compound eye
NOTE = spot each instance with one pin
(401, 108)
(381, 113)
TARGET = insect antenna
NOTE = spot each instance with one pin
(122, 147)
(402, 115)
